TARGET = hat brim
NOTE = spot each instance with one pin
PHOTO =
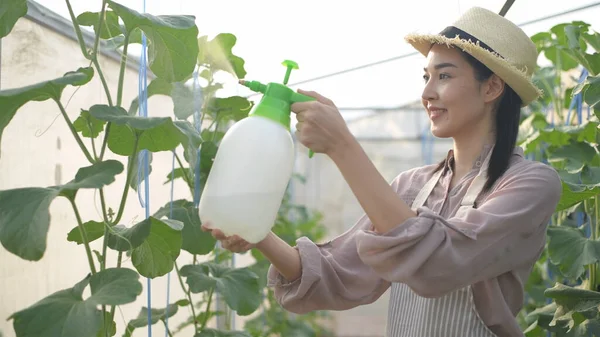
(516, 78)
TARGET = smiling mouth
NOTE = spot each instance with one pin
(436, 113)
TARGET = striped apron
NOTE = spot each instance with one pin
(452, 315)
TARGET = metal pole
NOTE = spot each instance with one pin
(506, 7)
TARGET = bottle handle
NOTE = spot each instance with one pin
(297, 97)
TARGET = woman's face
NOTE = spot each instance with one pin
(456, 103)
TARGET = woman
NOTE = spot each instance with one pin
(455, 241)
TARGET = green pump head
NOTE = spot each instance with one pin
(277, 99)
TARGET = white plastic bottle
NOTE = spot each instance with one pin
(252, 167)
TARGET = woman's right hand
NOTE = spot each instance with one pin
(232, 243)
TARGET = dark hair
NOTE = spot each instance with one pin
(508, 112)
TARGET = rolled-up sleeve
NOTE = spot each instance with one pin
(434, 256)
(333, 276)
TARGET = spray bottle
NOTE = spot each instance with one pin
(253, 165)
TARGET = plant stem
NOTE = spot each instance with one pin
(105, 141)
(189, 296)
(595, 215)
(185, 173)
(94, 56)
(130, 166)
(93, 143)
(167, 328)
(106, 224)
(207, 313)
(593, 236)
(122, 70)
(78, 31)
(112, 307)
(84, 237)
(74, 132)
(103, 80)
(97, 38)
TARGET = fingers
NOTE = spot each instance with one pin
(232, 243)
(236, 244)
(299, 107)
(317, 96)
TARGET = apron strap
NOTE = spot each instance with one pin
(477, 184)
(472, 193)
(426, 191)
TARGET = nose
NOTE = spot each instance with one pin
(429, 91)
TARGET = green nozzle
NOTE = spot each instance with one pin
(275, 104)
(254, 86)
(290, 65)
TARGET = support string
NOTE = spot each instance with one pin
(143, 164)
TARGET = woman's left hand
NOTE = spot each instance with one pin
(320, 125)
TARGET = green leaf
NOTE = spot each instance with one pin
(117, 42)
(571, 300)
(183, 100)
(24, 220)
(10, 12)
(575, 193)
(551, 136)
(12, 100)
(217, 53)
(97, 175)
(208, 152)
(122, 239)
(208, 332)
(172, 44)
(157, 86)
(115, 286)
(155, 133)
(571, 250)
(156, 315)
(93, 229)
(541, 40)
(65, 313)
(592, 39)
(180, 173)
(560, 54)
(585, 132)
(591, 94)
(590, 175)
(543, 317)
(107, 329)
(25, 215)
(138, 179)
(531, 124)
(232, 108)
(110, 28)
(573, 156)
(88, 125)
(156, 255)
(239, 286)
(194, 240)
(119, 116)
(189, 136)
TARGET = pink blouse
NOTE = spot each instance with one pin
(492, 247)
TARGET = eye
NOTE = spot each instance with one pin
(444, 76)
(425, 78)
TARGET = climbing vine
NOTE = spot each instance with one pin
(178, 57)
(562, 129)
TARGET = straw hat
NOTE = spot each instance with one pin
(493, 40)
